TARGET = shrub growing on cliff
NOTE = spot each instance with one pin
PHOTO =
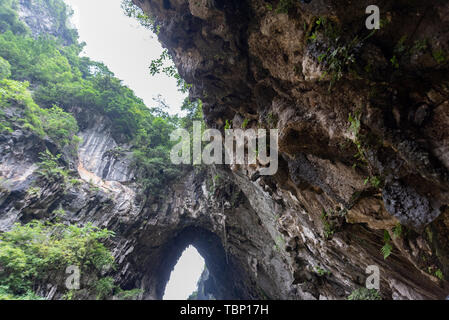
(365, 294)
(9, 19)
(15, 94)
(387, 248)
(61, 79)
(30, 253)
(50, 169)
(338, 55)
(58, 125)
(5, 69)
(133, 11)
(104, 287)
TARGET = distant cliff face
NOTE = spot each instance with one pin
(363, 120)
(44, 18)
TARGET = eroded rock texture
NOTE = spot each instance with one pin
(363, 121)
(204, 208)
(310, 231)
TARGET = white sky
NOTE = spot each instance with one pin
(184, 278)
(125, 47)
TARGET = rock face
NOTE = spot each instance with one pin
(311, 230)
(203, 285)
(363, 120)
(42, 18)
(205, 208)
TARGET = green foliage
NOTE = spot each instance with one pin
(104, 287)
(59, 125)
(329, 228)
(245, 123)
(419, 46)
(355, 127)
(439, 274)
(61, 79)
(354, 120)
(13, 93)
(133, 11)
(394, 62)
(50, 169)
(164, 64)
(227, 124)
(397, 231)
(272, 120)
(5, 294)
(59, 212)
(33, 191)
(62, 14)
(128, 294)
(75, 182)
(338, 55)
(194, 112)
(279, 244)
(217, 179)
(322, 272)
(29, 253)
(284, 6)
(40, 61)
(9, 18)
(365, 294)
(5, 69)
(375, 181)
(54, 122)
(387, 248)
(439, 56)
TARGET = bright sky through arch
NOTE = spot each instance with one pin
(184, 278)
(126, 47)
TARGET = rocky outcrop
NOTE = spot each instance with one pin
(204, 208)
(363, 124)
(43, 17)
(363, 131)
(203, 283)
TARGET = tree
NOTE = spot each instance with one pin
(5, 69)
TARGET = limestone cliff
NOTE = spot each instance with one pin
(364, 137)
(363, 121)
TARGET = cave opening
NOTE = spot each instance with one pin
(221, 277)
(183, 282)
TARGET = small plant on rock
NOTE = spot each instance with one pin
(50, 169)
(328, 225)
(365, 294)
(387, 248)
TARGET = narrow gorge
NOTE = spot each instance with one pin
(363, 119)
